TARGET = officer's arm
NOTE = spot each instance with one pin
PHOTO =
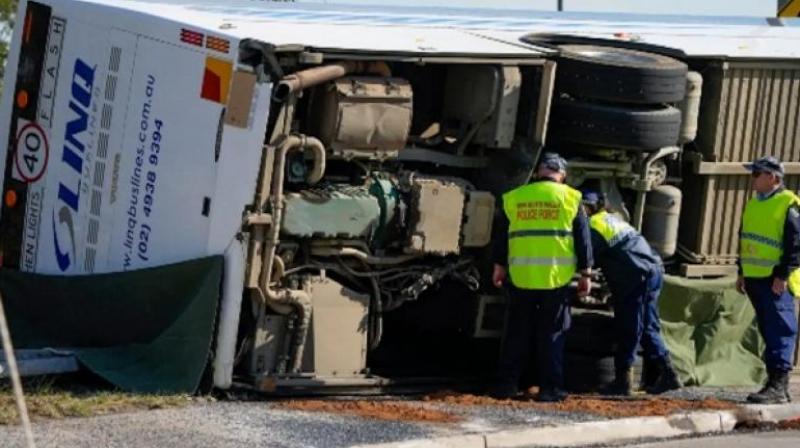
(500, 239)
(583, 241)
(790, 260)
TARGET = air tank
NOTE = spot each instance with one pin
(690, 107)
(661, 214)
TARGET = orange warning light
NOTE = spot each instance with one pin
(11, 198)
(22, 99)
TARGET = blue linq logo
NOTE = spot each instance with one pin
(69, 186)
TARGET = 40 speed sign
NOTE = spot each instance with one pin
(31, 152)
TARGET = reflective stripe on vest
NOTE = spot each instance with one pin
(760, 244)
(541, 251)
(540, 261)
(611, 227)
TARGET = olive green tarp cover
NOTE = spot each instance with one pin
(148, 330)
(711, 332)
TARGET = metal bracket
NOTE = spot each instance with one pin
(258, 219)
(643, 185)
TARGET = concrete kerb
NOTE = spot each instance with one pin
(615, 430)
(611, 431)
(768, 413)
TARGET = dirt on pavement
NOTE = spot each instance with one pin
(381, 410)
(597, 405)
(790, 424)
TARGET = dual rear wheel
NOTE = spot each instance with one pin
(617, 98)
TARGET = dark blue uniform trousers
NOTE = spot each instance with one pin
(776, 322)
(543, 315)
(636, 321)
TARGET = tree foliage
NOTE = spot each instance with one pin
(7, 10)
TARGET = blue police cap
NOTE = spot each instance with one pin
(767, 164)
(553, 162)
(590, 197)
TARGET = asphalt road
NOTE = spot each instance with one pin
(268, 424)
(784, 439)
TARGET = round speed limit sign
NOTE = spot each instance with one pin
(32, 152)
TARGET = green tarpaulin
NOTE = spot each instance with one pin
(710, 330)
(148, 330)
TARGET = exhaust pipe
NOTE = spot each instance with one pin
(318, 75)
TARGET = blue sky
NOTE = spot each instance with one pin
(760, 8)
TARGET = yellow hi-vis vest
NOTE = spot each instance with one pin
(761, 244)
(541, 250)
(611, 227)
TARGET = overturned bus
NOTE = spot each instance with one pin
(347, 162)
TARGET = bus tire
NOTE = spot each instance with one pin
(592, 331)
(586, 372)
(620, 75)
(630, 127)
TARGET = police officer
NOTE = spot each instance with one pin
(769, 253)
(541, 241)
(634, 273)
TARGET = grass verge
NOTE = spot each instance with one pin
(48, 400)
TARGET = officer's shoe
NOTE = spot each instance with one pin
(621, 384)
(551, 395)
(785, 385)
(767, 385)
(775, 391)
(650, 373)
(667, 378)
